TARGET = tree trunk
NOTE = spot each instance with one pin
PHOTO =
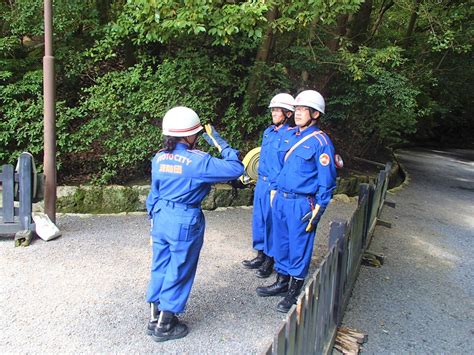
(358, 28)
(304, 73)
(411, 24)
(262, 56)
(129, 54)
(265, 46)
(383, 9)
(103, 9)
(341, 30)
(333, 45)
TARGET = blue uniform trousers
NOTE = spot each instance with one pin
(262, 217)
(177, 234)
(293, 246)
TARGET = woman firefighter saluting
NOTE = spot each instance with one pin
(180, 179)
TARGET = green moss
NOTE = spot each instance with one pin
(243, 197)
(223, 195)
(99, 200)
(92, 201)
(209, 202)
(120, 200)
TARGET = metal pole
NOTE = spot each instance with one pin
(49, 115)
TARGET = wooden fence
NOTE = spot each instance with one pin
(15, 217)
(311, 325)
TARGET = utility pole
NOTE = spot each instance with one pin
(49, 115)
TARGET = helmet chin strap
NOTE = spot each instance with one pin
(281, 123)
(309, 123)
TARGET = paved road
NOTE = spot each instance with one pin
(85, 292)
(422, 299)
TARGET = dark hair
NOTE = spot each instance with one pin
(169, 143)
(312, 111)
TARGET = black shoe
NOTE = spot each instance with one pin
(169, 327)
(292, 295)
(154, 314)
(256, 262)
(266, 269)
(280, 287)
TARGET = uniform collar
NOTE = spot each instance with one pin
(307, 131)
(282, 127)
(181, 146)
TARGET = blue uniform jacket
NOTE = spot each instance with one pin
(269, 165)
(185, 176)
(310, 169)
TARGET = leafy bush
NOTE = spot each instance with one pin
(124, 108)
(21, 127)
(386, 73)
(375, 102)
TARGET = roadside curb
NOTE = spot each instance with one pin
(403, 173)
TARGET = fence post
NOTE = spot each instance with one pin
(337, 233)
(337, 229)
(8, 180)
(26, 195)
(364, 196)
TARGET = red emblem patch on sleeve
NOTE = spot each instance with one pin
(339, 162)
(324, 159)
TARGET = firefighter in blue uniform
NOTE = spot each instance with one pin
(282, 108)
(304, 189)
(180, 179)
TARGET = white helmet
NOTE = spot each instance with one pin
(311, 98)
(285, 101)
(181, 122)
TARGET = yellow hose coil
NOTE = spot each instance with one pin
(251, 166)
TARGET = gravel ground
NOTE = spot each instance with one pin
(84, 292)
(421, 300)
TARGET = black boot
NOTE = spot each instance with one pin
(292, 295)
(169, 327)
(256, 262)
(280, 287)
(154, 314)
(266, 268)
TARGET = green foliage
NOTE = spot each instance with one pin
(371, 62)
(125, 107)
(271, 80)
(450, 27)
(21, 127)
(161, 21)
(300, 14)
(374, 102)
(122, 64)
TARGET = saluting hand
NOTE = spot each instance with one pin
(214, 139)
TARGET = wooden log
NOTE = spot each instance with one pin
(344, 350)
(348, 341)
(360, 336)
(347, 348)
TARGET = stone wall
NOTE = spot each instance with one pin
(115, 198)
